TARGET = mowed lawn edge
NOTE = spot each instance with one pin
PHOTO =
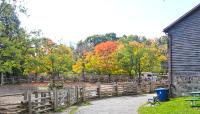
(173, 106)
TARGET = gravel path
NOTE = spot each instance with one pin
(116, 105)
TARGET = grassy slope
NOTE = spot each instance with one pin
(174, 106)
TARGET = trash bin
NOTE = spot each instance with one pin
(163, 94)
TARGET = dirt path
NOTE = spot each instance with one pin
(116, 105)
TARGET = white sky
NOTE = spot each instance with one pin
(73, 20)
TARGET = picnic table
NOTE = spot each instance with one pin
(196, 97)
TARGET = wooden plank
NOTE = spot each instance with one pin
(14, 94)
(10, 108)
(11, 112)
(11, 104)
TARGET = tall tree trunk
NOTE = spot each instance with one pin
(83, 71)
(109, 77)
(130, 75)
(36, 75)
(139, 73)
(2, 79)
(29, 79)
(139, 79)
(53, 80)
(53, 72)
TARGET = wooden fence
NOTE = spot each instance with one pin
(33, 102)
(150, 87)
(12, 103)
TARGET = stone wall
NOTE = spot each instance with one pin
(185, 82)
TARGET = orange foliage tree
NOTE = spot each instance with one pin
(106, 53)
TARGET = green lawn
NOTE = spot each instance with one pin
(174, 106)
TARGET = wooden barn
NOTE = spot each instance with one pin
(184, 53)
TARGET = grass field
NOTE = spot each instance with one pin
(174, 106)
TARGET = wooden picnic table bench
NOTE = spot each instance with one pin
(196, 97)
(193, 101)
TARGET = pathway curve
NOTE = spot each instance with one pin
(116, 105)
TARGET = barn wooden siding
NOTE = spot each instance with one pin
(185, 54)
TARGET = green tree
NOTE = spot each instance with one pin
(34, 61)
(14, 43)
(58, 59)
(125, 58)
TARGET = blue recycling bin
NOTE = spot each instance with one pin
(163, 94)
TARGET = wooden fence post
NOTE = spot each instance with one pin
(77, 94)
(151, 87)
(99, 89)
(82, 93)
(50, 101)
(116, 89)
(29, 103)
(43, 95)
(25, 96)
(55, 98)
(36, 96)
(69, 97)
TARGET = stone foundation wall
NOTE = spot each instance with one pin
(185, 82)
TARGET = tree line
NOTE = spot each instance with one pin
(23, 53)
(131, 55)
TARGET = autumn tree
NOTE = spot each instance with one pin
(153, 58)
(79, 53)
(106, 52)
(162, 44)
(91, 62)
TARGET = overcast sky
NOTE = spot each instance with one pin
(73, 20)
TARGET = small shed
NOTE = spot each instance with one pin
(184, 53)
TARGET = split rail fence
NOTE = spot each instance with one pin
(34, 102)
